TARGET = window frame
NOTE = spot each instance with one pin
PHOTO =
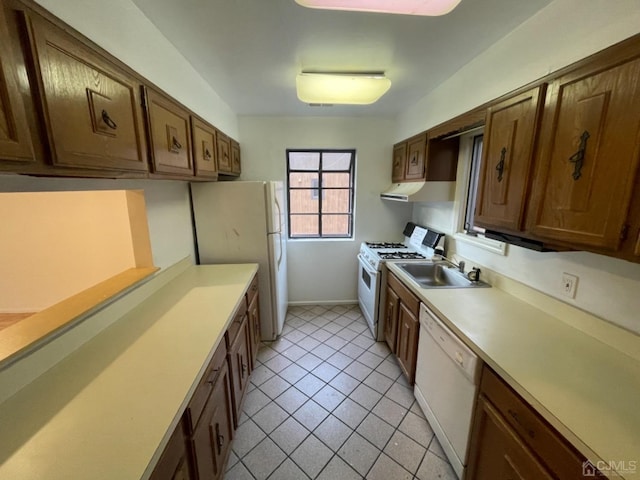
(319, 192)
(475, 236)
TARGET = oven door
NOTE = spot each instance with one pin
(368, 293)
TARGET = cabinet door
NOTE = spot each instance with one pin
(223, 145)
(15, 140)
(391, 319)
(169, 135)
(407, 347)
(416, 150)
(254, 328)
(239, 358)
(211, 440)
(509, 140)
(496, 452)
(173, 463)
(91, 107)
(235, 158)
(589, 156)
(204, 148)
(399, 162)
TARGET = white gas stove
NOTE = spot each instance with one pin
(419, 245)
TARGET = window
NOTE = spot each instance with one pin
(470, 159)
(474, 175)
(320, 187)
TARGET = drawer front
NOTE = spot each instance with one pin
(170, 135)
(234, 327)
(91, 107)
(560, 457)
(201, 395)
(253, 290)
(204, 149)
(409, 299)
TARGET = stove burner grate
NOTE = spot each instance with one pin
(385, 245)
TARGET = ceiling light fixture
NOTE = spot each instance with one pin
(406, 7)
(359, 88)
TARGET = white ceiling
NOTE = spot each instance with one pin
(251, 50)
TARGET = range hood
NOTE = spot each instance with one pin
(420, 192)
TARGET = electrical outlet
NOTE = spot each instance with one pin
(569, 285)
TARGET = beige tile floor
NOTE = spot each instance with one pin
(326, 401)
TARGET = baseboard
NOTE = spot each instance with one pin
(322, 302)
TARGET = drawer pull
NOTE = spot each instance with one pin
(108, 121)
(176, 143)
(516, 418)
(244, 369)
(207, 154)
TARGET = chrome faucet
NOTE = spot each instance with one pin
(461, 266)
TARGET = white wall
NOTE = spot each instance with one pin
(326, 271)
(123, 30)
(168, 208)
(560, 34)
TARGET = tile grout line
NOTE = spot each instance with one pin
(369, 411)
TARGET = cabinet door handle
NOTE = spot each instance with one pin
(578, 158)
(219, 438)
(500, 165)
(176, 143)
(244, 369)
(207, 154)
(108, 121)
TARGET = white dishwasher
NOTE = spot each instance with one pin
(447, 376)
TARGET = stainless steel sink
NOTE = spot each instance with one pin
(439, 274)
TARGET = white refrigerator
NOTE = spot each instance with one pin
(242, 222)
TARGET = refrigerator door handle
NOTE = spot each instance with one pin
(280, 252)
(277, 205)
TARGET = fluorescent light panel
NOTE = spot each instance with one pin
(341, 88)
(407, 7)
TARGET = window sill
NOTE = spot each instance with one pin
(319, 239)
(499, 248)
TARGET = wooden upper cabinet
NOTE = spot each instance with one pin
(90, 106)
(204, 148)
(236, 166)
(416, 154)
(399, 162)
(15, 140)
(169, 135)
(590, 148)
(223, 146)
(505, 171)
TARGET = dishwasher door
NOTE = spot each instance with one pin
(447, 375)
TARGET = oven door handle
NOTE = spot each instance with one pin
(369, 269)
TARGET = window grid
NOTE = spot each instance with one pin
(317, 191)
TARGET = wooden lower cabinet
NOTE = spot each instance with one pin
(501, 454)
(407, 343)
(391, 319)
(509, 439)
(211, 441)
(402, 327)
(174, 462)
(254, 328)
(239, 361)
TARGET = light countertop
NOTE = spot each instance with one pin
(588, 390)
(107, 410)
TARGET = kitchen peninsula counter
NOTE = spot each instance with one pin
(107, 410)
(586, 389)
